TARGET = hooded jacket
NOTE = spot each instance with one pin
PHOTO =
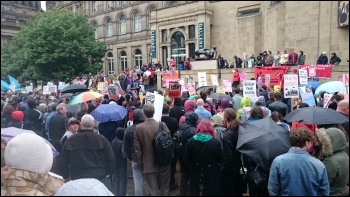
(189, 127)
(335, 159)
(225, 103)
(189, 108)
(245, 102)
(217, 122)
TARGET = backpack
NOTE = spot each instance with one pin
(179, 142)
(163, 147)
(209, 107)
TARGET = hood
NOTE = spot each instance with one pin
(337, 138)
(189, 106)
(261, 99)
(326, 148)
(84, 187)
(201, 137)
(138, 116)
(17, 115)
(277, 88)
(245, 102)
(216, 120)
(191, 119)
(225, 103)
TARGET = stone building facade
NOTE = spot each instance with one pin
(139, 32)
(15, 14)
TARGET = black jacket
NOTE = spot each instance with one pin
(86, 155)
(322, 60)
(171, 123)
(57, 126)
(232, 158)
(176, 112)
(35, 117)
(189, 127)
(335, 59)
(120, 161)
(107, 129)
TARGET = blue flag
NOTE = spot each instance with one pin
(14, 82)
(4, 85)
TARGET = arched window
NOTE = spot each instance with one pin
(110, 63)
(152, 8)
(137, 22)
(123, 60)
(138, 58)
(109, 30)
(178, 49)
(94, 26)
(122, 25)
(94, 6)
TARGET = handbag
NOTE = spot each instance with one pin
(257, 177)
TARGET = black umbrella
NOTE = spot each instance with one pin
(204, 88)
(74, 88)
(66, 95)
(72, 110)
(263, 140)
(219, 96)
(316, 115)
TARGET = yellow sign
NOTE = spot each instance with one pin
(100, 86)
(141, 97)
(220, 89)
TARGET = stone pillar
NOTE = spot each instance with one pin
(187, 50)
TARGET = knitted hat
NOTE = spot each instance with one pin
(29, 152)
(84, 187)
(17, 115)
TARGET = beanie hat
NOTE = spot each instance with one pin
(29, 152)
(277, 88)
(17, 115)
(84, 187)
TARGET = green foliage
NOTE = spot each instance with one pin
(56, 44)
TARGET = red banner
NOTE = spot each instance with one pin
(321, 71)
(276, 74)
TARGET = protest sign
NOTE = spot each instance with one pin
(291, 89)
(49, 84)
(302, 76)
(169, 76)
(174, 89)
(52, 89)
(29, 89)
(227, 86)
(46, 90)
(220, 90)
(242, 76)
(183, 86)
(267, 79)
(326, 99)
(320, 71)
(100, 86)
(202, 79)
(61, 85)
(157, 101)
(214, 80)
(191, 88)
(249, 88)
(307, 96)
(276, 74)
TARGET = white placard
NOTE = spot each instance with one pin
(346, 83)
(214, 80)
(302, 76)
(157, 101)
(326, 98)
(29, 89)
(46, 90)
(202, 79)
(312, 71)
(291, 88)
(61, 85)
(249, 88)
(49, 84)
(267, 79)
(227, 85)
(53, 89)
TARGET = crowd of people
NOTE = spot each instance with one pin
(204, 132)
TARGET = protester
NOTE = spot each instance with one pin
(201, 111)
(177, 110)
(17, 121)
(130, 151)
(335, 159)
(225, 103)
(323, 59)
(72, 126)
(29, 160)
(87, 155)
(278, 105)
(298, 169)
(57, 125)
(84, 187)
(264, 92)
(335, 60)
(230, 176)
(34, 116)
(237, 98)
(256, 113)
(157, 177)
(202, 155)
(120, 168)
(278, 118)
(243, 112)
(235, 78)
(218, 123)
(343, 108)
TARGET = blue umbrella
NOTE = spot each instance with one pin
(109, 112)
(313, 84)
(330, 87)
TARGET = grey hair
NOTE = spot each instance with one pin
(200, 102)
(87, 122)
(60, 106)
(148, 110)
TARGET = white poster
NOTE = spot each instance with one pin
(326, 98)
(202, 79)
(291, 88)
(157, 101)
(53, 89)
(214, 80)
(302, 76)
(267, 79)
(29, 89)
(249, 88)
(46, 90)
(61, 85)
(49, 84)
(312, 71)
(183, 86)
(227, 86)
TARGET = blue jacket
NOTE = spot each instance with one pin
(202, 113)
(297, 173)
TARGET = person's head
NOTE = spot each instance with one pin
(177, 102)
(264, 87)
(205, 127)
(17, 116)
(336, 98)
(324, 53)
(61, 108)
(8, 109)
(200, 102)
(87, 122)
(217, 120)
(256, 113)
(230, 118)
(333, 54)
(128, 97)
(203, 95)
(72, 125)
(83, 187)
(148, 110)
(276, 116)
(31, 103)
(278, 96)
(277, 88)
(343, 107)
(278, 52)
(321, 96)
(119, 133)
(292, 51)
(303, 105)
(302, 137)
(166, 109)
(237, 90)
(301, 52)
(29, 152)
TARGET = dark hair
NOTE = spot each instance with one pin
(264, 87)
(230, 117)
(31, 103)
(276, 116)
(127, 97)
(258, 103)
(91, 108)
(278, 96)
(72, 121)
(166, 108)
(336, 97)
(301, 52)
(271, 95)
(256, 113)
(105, 96)
(178, 101)
(203, 95)
(237, 90)
(322, 94)
(119, 133)
(302, 105)
(299, 136)
(334, 53)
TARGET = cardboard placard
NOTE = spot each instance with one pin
(174, 89)
(291, 87)
(249, 88)
(202, 79)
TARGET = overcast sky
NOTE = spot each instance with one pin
(43, 5)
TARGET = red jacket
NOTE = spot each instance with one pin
(236, 76)
(309, 126)
(293, 58)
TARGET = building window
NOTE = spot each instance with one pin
(109, 4)
(192, 49)
(191, 31)
(94, 26)
(94, 6)
(248, 12)
(138, 58)
(137, 22)
(122, 25)
(178, 50)
(110, 64)
(122, 2)
(109, 29)
(123, 60)
(164, 35)
(151, 9)
(165, 57)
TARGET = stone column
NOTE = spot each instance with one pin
(187, 49)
